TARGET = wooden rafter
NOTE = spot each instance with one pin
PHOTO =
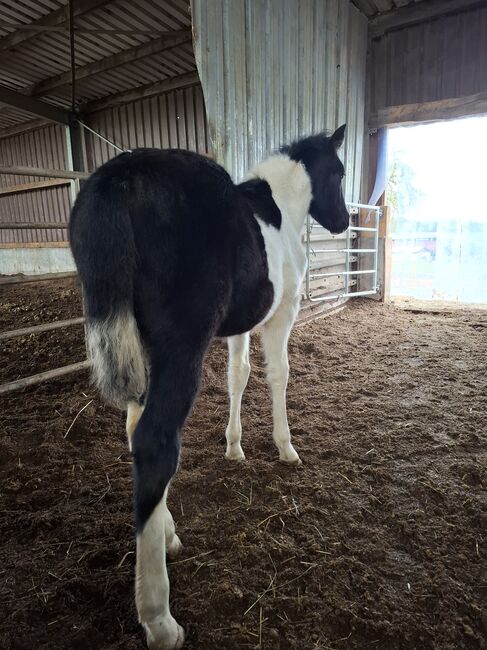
(142, 92)
(417, 13)
(54, 18)
(165, 42)
(33, 106)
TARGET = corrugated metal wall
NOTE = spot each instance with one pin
(440, 59)
(45, 147)
(175, 119)
(274, 70)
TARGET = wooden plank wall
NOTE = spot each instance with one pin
(437, 60)
(45, 147)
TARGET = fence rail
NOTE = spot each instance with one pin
(73, 178)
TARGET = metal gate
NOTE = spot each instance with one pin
(337, 257)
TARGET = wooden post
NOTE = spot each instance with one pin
(385, 238)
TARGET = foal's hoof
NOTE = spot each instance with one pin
(235, 452)
(290, 457)
(294, 462)
(163, 633)
(174, 548)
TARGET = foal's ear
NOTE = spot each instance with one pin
(338, 137)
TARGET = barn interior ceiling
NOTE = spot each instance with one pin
(63, 56)
(389, 15)
(115, 50)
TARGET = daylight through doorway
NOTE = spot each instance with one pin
(437, 190)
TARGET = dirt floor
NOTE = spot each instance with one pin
(379, 540)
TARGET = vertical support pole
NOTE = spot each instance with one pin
(347, 256)
(387, 254)
(378, 214)
(72, 54)
(77, 144)
(75, 162)
(70, 163)
(308, 247)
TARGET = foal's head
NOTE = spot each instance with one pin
(318, 153)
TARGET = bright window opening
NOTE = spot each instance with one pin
(437, 191)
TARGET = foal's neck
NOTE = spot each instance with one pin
(290, 186)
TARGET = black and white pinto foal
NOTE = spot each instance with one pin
(172, 253)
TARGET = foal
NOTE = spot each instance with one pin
(171, 253)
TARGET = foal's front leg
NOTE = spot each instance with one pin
(275, 336)
(238, 375)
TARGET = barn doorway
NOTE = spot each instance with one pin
(437, 190)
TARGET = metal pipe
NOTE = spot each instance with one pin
(337, 296)
(112, 144)
(72, 54)
(364, 206)
(344, 250)
(362, 228)
(69, 157)
(376, 246)
(308, 268)
(331, 275)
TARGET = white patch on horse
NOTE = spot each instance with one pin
(286, 259)
(152, 582)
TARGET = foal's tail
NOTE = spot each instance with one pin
(102, 241)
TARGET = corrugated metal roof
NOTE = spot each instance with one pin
(30, 57)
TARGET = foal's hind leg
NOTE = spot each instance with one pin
(134, 411)
(173, 543)
(238, 375)
(174, 376)
(275, 336)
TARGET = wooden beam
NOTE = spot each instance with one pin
(33, 225)
(41, 171)
(37, 329)
(35, 244)
(142, 92)
(54, 18)
(43, 376)
(165, 42)
(23, 127)
(29, 187)
(443, 109)
(34, 106)
(25, 27)
(365, 7)
(419, 12)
